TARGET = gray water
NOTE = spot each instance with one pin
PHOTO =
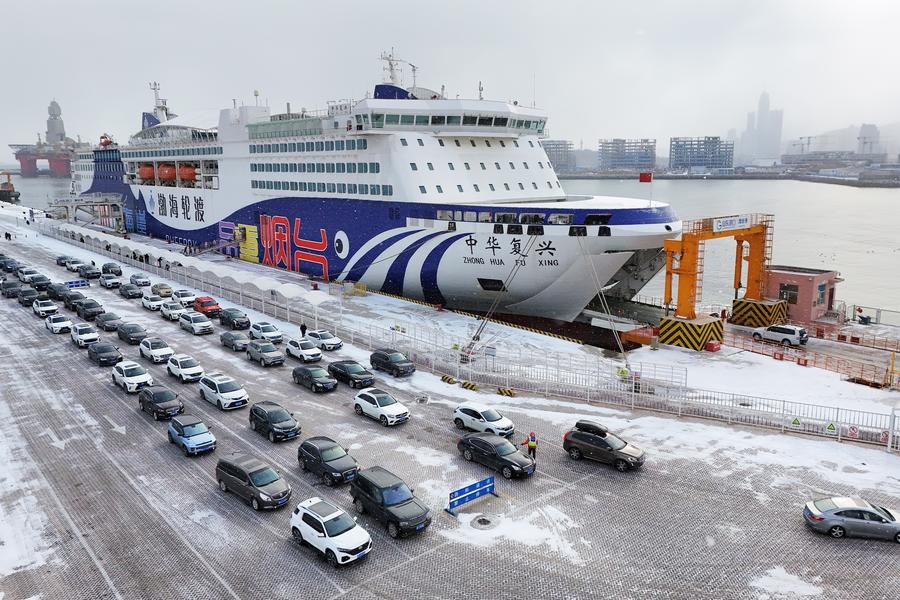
(852, 230)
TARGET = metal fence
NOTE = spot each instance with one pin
(645, 386)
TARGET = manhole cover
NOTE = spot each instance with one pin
(485, 522)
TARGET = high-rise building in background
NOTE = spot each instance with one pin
(620, 154)
(711, 153)
(762, 137)
(560, 154)
(868, 140)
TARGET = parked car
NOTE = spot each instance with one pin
(131, 333)
(184, 367)
(83, 334)
(392, 361)
(235, 340)
(111, 268)
(381, 406)
(58, 324)
(206, 306)
(130, 291)
(191, 434)
(160, 401)
(152, 302)
(140, 280)
(89, 272)
(234, 319)
(73, 265)
(25, 273)
(88, 309)
(265, 353)
(10, 265)
(265, 331)
(11, 288)
(104, 353)
(844, 516)
(196, 323)
(56, 290)
(327, 459)
(330, 531)
(303, 349)
(389, 500)
(27, 296)
(594, 441)
(40, 282)
(352, 373)
(497, 453)
(108, 321)
(131, 376)
(155, 349)
(273, 421)
(324, 340)
(172, 310)
(223, 391)
(185, 297)
(44, 308)
(789, 335)
(479, 417)
(71, 297)
(316, 379)
(110, 281)
(253, 481)
(162, 289)
(62, 260)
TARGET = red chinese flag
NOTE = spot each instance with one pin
(645, 177)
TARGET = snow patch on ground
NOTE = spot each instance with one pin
(778, 583)
(212, 522)
(428, 457)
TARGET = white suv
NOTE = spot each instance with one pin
(83, 334)
(196, 323)
(184, 367)
(223, 391)
(58, 323)
(155, 349)
(330, 530)
(131, 376)
(185, 297)
(44, 308)
(305, 350)
(789, 335)
(172, 310)
(152, 302)
(325, 339)
(265, 331)
(478, 417)
(381, 406)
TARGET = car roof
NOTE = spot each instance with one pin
(346, 362)
(181, 356)
(244, 461)
(324, 510)
(268, 405)
(848, 502)
(321, 441)
(128, 363)
(188, 419)
(386, 350)
(373, 390)
(380, 476)
(219, 377)
(474, 406)
(490, 438)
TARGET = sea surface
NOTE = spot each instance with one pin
(852, 230)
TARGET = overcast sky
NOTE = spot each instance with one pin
(600, 68)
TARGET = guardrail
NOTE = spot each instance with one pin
(647, 386)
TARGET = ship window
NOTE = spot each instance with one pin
(440, 190)
(284, 147)
(392, 119)
(421, 119)
(578, 231)
(329, 167)
(472, 142)
(387, 190)
(329, 146)
(294, 186)
(470, 120)
(301, 168)
(549, 185)
(269, 185)
(535, 230)
(339, 145)
(512, 166)
(430, 166)
(320, 167)
(268, 167)
(597, 219)
(320, 146)
(451, 226)
(268, 148)
(457, 216)
(496, 164)
(407, 119)
(362, 168)
(310, 146)
(375, 190)
(485, 121)
(457, 143)
(500, 121)
(506, 185)
(374, 167)
(451, 120)
(560, 219)
(514, 229)
(476, 187)
(451, 167)
(438, 119)
(540, 164)
(534, 185)
(342, 188)
(521, 187)
(603, 231)
(362, 145)
(498, 228)
(491, 185)
(364, 188)
(413, 166)
(531, 218)
(252, 183)
(487, 143)
(446, 215)
(253, 167)
(421, 189)
(331, 188)
(351, 188)
(351, 167)
(320, 187)
(470, 216)
(293, 167)
(441, 143)
(506, 217)
(377, 120)
(341, 167)
(502, 145)
(483, 168)
(403, 142)
(421, 143)
(351, 144)
(284, 167)
(459, 188)
(468, 168)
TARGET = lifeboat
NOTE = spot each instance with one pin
(105, 140)
(146, 172)
(166, 172)
(187, 173)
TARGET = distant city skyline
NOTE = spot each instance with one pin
(761, 139)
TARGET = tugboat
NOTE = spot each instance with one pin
(8, 191)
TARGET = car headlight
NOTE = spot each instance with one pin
(265, 497)
(516, 468)
(404, 523)
(631, 459)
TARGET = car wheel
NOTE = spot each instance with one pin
(327, 479)
(331, 558)
(124, 387)
(395, 373)
(459, 423)
(359, 506)
(467, 454)
(171, 439)
(186, 451)
(785, 342)
(272, 437)
(297, 381)
(252, 424)
(384, 421)
(574, 453)
(113, 377)
(222, 486)
(219, 405)
(183, 380)
(507, 473)
(155, 416)
(249, 357)
(620, 465)
(393, 530)
(255, 504)
(303, 466)
(298, 537)
(358, 409)
(897, 537)
(837, 532)
(169, 371)
(757, 337)
(261, 362)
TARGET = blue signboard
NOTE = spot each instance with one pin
(471, 492)
(78, 283)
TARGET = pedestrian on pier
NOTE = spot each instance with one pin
(531, 442)
(303, 330)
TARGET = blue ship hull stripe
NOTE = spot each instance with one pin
(430, 290)
(359, 268)
(393, 281)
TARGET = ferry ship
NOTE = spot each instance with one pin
(448, 201)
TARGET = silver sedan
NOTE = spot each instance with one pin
(842, 516)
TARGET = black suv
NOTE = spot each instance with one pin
(89, 272)
(132, 333)
(387, 498)
(392, 361)
(593, 440)
(160, 401)
(253, 480)
(352, 373)
(233, 318)
(89, 309)
(71, 297)
(27, 296)
(111, 268)
(56, 291)
(327, 459)
(316, 379)
(11, 288)
(40, 282)
(104, 353)
(272, 420)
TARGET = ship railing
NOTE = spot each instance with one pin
(530, 371)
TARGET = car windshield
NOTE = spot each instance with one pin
(267, 328)
(188, 363)
(234, 313)
(317, 373)
(385, 400)
(824, 505)
(505, 448)
(134, 371)
(354, 368)
(340, 524)
(173, 306)
(153, 298)
(307, 345)
(491, 415)
(104, 348)
(200, 319)
(229, 386)
(397, 494)
(132, 328)
(238, 336)
(264, 477)
(86, 329)
(164, 396)
(280, 415)
(109, 317)
(885, 513)
(157, 344)
(397, 357)
(616, 443)
(195, 429)
(208, 303)
(90, 304)
(333, 453)
(324, 335)
(267, 348)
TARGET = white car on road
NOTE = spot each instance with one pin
(381, 406)
(330, 530)
(83, 334)
(223, 391)
(73, 264)
(172, 310)
(479, 417)
(185, 297)
(789, 335)
(58, 323)
(26, 273)
(324, 339)
(155, 349)
(184, 367)
(195, 322)
(265, 331)
(152, 302)
(305, 350)
(44, 308)
(131, 376)
(139, 280)
(110, 281)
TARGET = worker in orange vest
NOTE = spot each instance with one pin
(531, 442)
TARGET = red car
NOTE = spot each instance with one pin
(207, 306)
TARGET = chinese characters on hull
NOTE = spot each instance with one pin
(186, 207)
(545, 252)
(282, 249)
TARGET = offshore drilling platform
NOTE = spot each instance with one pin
(55, 148)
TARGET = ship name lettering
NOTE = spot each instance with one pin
(520, 262)
(474, 260)
(548, 263)
(497, 261)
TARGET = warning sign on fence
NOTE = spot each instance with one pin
(831, 428)
(795, 422)
(884, 437)
(853, 432)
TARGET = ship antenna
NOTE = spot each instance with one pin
(414, 69)
(256, 96)
(391, 67)
(480, 91)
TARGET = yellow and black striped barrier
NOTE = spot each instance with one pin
(758, 313)
(468, 385)
(506, 392)
(693, 334)
(448, 379)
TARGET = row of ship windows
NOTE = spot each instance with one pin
(204, 151)
(327, 146)
(350, 167)
(487, 143)
(380, 120)
(330, 188)
(440, 189)
(468, 167)
(101, 166)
